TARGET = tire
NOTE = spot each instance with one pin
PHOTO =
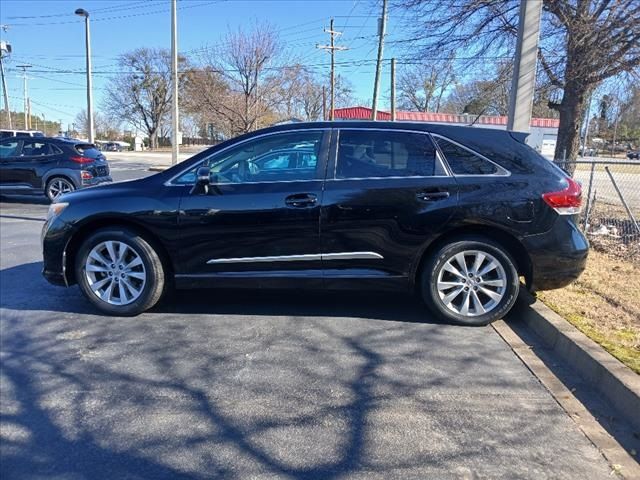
(487, 299)
(144, 277)
(56, 186)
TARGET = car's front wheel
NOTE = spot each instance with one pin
(120, 272)
(471, 281)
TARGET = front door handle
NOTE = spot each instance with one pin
(431, 196)
(301, 200)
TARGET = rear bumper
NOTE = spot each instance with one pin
(558, 256)
(96, 181)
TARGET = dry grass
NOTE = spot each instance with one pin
(604, 304)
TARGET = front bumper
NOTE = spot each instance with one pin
(54, 238)
(558, 256)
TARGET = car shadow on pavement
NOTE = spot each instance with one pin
(281, 302)
(29, 199)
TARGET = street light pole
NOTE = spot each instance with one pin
(175, 124)
(90, 127)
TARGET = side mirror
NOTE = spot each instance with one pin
(203, 181)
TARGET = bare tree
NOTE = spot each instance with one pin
(141, 93)
(106, 127)
(583, 42)
(422, 87)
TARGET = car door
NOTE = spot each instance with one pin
(36, 157)
(9, 155)
(255, 223)
(387, 193)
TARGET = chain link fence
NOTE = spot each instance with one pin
(611, 203)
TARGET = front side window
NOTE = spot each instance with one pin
(463, 161)
(274, 158)
(374, 153)
(8, 149)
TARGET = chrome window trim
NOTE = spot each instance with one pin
(500, 168)
(299, 258)
(169, 183)
(444, 166)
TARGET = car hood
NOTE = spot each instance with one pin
(109, 190)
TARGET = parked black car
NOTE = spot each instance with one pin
(50, 166)
(457, 214)
(633, 154)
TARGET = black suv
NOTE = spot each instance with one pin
(52, 166)
(457, 214)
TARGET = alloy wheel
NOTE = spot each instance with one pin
(471, 283)
(59, 186)
(115, 273)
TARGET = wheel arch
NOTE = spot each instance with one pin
(510, 243)
(95, 224)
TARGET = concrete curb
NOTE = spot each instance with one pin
(617, 383)
(157, 168)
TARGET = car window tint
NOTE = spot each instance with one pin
(88, 150)
(464, 162)
(274, 158)
(35, 149)
(363, 153)
(8, 149)
(23, 134)
(6, 134)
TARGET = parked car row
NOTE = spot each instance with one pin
(456, 214)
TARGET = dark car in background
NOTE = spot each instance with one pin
(633, 154)
(456, 214)
(112, 147)
(49, 165)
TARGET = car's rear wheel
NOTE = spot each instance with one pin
(57, 186)
(119, 272)
(471, 281)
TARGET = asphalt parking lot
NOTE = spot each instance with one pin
(261, 385)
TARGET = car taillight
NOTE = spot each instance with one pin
(567, 201)
(81, 159)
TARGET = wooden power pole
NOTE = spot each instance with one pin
(376, 83)
(332, 49)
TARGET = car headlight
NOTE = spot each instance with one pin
(56, 209)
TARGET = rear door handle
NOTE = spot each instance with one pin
(431, 196)
(301, 200)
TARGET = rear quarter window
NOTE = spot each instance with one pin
(465, 162)
(88, 150)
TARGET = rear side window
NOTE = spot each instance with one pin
(88, 150)
(463, 161)
(23, 134)
(35, 149)
(366, 154)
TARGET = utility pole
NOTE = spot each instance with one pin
(393, 89)
(523, 82)
(324, 102)
(175, 124)
(24, 87)
(90, 127)
(5, 50)
(586, 128)
(332, 48)
(29, 115)
(381, 29)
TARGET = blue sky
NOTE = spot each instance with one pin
(51, 39)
